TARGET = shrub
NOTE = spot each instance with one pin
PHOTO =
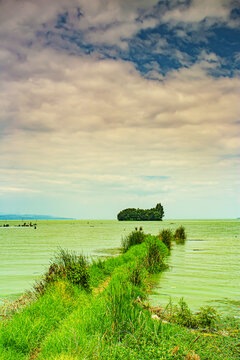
(134, 238)
(180, 235)
(166, 236)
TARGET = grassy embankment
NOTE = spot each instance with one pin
(97, 311)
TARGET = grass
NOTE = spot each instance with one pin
(180, 314)
(180, 235)
(134, 238)
(70, 321)
(166, 236)
(69, 265)
(27, 329)
(154, 259)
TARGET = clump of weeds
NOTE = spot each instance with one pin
(207, 317)
(66, 264)
(137, 274)
(154, 260)
(134, 238)
(180, 235)
(182, 315)
(166, 236)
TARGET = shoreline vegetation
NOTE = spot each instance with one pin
(99, 310)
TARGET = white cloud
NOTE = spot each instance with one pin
(101, 21)
(198, 11)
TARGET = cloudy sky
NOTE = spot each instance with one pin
(108, 104)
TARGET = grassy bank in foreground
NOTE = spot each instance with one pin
(97, 311)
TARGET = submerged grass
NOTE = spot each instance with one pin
(68, 321)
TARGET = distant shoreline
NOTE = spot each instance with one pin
(9, 217)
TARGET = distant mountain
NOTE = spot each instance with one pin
(30, 217)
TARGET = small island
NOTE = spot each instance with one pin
(132, 214)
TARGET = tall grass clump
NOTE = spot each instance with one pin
(137, 274)
(121, 311)
(66, 264)
(134, 238)
(180, 235)
(154, 260)
(75, 266)
(166, 236)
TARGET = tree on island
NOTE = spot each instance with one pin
(132, 214)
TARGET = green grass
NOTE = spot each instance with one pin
(180, 235)
(134, 238)
(181, 314)
(27, 329)
(166, 236)
(109, 320)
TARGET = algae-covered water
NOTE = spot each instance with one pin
(205, 271)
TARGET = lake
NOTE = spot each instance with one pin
(204, 271)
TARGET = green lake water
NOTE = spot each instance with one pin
(204, 271)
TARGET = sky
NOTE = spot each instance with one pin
(110, 104)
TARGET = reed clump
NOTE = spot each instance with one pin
(154, 259)
(134, 238)
(166, 236)
(137, 273)
(66, 264)
(75, 267)
(180, 235)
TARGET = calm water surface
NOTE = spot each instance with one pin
(206, 270)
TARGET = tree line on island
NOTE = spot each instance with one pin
(132, 214)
